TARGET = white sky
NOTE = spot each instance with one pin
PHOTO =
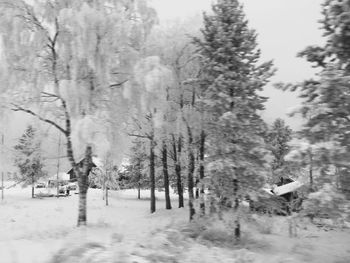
(284, 28)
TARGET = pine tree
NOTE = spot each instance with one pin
(28, 158)
(230, 83)
(277, 138)
(326, 97)
(136, 170)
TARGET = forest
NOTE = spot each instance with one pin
(142, 139)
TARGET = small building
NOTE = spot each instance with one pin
(96, 162)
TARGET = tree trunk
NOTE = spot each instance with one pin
(104, 187)
(106, 195)
(190, 173)
(177, 152)
(82, 206)
(2, 186)
(190, 184)
(236, 206)
(212, 208)
(197, 179)
(32, 185)
(83, 185)
(197, 186)
(81, 174)
(166, 175)
(310, 171)
(139, 178)
(152, 176)
(201, 170)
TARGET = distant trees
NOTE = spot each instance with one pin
(181, 124)
(28, 157)
(152, 78)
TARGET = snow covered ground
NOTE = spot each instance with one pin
(44, 230)
(31, 230)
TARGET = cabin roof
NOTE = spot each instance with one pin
(97, 162)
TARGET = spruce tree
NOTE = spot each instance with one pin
(326, 97)
(230, 82)
(28, 158)
(137, 169)
(277, 138)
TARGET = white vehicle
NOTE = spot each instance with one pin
(72, 186)
(40, 185)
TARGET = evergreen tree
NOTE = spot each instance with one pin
(326, 97)
(28, 158)
(277, 138)
(230, 84)
(137, 169)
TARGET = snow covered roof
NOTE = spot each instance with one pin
(95, 160)
(287, 188)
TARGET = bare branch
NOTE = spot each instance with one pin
(118, 84)
(19, 108)
(50, 95)
(136, 121)
(120, 73)
(48, 100)
(139, 136)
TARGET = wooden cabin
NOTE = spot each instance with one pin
(96, 162)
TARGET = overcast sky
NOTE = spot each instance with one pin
(284, 28)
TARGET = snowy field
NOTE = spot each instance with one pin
(43, 230)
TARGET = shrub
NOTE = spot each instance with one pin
(327, 203)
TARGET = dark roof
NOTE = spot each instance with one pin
(94, 163)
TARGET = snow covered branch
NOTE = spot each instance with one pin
(19, 108)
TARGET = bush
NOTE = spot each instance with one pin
(327, 203)
(264, 224)
(269, 205)
(196, 227)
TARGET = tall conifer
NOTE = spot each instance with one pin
(231, 80)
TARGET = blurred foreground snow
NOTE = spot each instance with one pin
(43, 230)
